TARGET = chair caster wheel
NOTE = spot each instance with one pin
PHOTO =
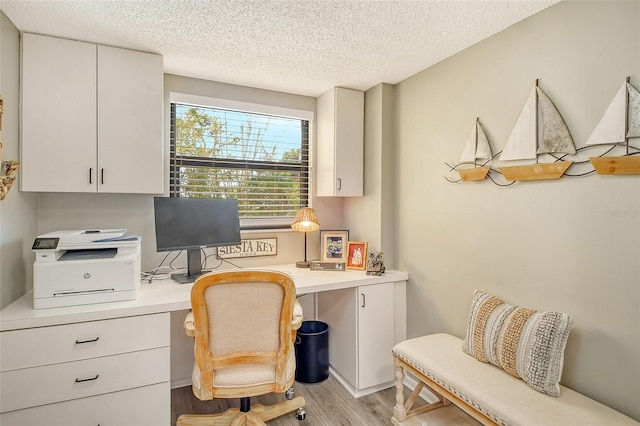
(301, 414)
(289, 394)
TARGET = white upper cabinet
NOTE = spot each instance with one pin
(130, 109)
(58, 131)
(340, 143)
(91, 118)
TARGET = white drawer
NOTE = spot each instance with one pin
(146, 406)
(35, 386)
(49, 345)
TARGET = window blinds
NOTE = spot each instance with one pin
(262, 160)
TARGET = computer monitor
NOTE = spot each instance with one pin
(192, 224)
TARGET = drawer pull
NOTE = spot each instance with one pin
(90, 379)
(80, 342)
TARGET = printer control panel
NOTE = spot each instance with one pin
(45, 243)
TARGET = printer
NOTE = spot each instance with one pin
(85, 266)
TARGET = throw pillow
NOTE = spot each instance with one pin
(525, 343)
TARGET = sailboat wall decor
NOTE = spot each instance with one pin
(476, 148)
(524, 142)
(620, 122)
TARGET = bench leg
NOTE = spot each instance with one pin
(402, 410)
(399, 411)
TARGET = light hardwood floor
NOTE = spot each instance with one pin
(327, 404)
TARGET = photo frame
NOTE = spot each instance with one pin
(356, 255)
(333, 246)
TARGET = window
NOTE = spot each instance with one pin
(258, 158)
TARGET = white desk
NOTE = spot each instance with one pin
(130, 363)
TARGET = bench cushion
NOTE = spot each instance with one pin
(497, 394)
(523, 342)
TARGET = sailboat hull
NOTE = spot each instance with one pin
(474, 174)
(542, 171)
(627, 165)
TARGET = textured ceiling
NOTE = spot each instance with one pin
(295, 46)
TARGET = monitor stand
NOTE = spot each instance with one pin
(194, 267)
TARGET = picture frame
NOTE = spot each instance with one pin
(357, 255)
(333, 245)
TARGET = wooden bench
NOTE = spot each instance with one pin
(485, 392)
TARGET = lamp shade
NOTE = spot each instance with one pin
(305, 220)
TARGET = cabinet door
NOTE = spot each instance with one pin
(375, 334)
(130, 116)
(349, 133)
(340, 147)
(58, 151)
(325, 150)
(338, 308)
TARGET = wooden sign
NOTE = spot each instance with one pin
(250, 248)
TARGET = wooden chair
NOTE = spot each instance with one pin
(244, 324)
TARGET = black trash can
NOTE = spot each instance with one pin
(312, 352)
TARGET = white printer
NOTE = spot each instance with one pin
(85, 266)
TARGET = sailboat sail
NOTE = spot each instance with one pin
(521, 144)
(523, 141)
(555, 134)
(477, 146)
(612, 125)
(634, 111)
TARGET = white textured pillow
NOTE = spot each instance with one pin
(525, 343)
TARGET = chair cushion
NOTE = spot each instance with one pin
(525, 343)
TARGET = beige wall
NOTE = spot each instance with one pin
(571, 245)
(371, 218)
(17, 210)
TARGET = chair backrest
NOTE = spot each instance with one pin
(243, 318)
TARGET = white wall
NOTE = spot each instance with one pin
(17, 210)
(571, 245)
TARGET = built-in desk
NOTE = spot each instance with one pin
(76, 363)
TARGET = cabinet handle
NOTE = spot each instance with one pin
(90, 379)
(102, 176)
(90, 175)
(364, 300)
(80, 342)
(339, 184)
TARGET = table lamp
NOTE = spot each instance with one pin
(305, 221)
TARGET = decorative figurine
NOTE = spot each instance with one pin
(375, 266)
(8, 169)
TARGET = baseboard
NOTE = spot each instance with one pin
(357, 393)
(181, 383)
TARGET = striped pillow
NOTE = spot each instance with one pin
(525, 343)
